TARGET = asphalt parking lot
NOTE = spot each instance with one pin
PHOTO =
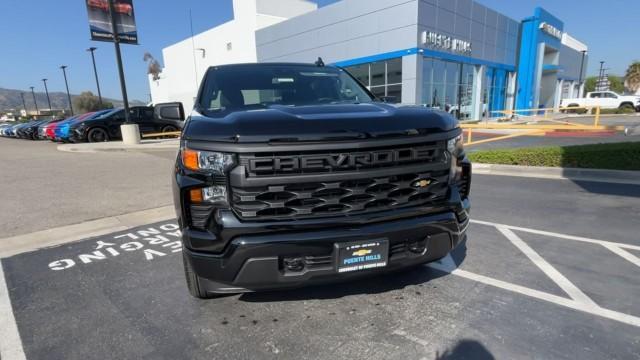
(44, 188)
(550, 270)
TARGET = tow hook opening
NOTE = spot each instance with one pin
(293, 264)
(418, 246)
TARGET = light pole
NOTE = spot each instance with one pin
(584, 52)
(24, 104)
(116, 43)
(95, 72)
(47, 92)
(34, 100)
(600, 76)
(64, 72)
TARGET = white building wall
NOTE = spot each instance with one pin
(233, 42)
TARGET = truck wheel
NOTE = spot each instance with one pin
(193, 282)
(627, 107)
(169, 128)
(572, 111)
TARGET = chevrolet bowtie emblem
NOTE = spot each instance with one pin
(361, 252)
(422, 183)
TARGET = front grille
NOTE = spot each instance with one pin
(339, 197)
(319, 162)
(314, 262)
(292, 185)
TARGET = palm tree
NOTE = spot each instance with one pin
(632, 77)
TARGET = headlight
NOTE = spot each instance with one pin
(216, 162)
(454, 144)
(455, 148)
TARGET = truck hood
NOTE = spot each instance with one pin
(279, 123)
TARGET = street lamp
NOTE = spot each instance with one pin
(64, 72)
(34, 100)
(584, 52)
(47, 92)
(24, 104)
(95, 72)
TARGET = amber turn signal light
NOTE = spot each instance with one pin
(190, 159)
(195, 195)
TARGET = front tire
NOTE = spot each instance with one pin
(195, 286)
(97, 135)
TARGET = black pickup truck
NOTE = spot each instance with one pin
(295, 174)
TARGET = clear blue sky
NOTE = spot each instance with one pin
(37, 36)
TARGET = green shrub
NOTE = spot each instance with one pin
(617, 156)
(626, 110)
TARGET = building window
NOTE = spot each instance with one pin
(382, 78)
(494, 93)
(447, 86)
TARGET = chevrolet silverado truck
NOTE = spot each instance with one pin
(295, 174)
(605, 100)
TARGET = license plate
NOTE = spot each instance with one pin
(362, 255)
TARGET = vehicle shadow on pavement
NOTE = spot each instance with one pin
(466, 349)
(374, 284)
(627, 190)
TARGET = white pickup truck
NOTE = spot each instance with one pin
(605, 100)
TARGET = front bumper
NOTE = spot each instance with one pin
(77, 135)
(255, 258)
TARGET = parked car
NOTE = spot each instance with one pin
(605, 100)
(4, 128)
(18, 130)
(106, 127)
(42, 128)
(30, 130)
(62, 131)
(50, 129)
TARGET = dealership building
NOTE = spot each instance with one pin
(455, 55)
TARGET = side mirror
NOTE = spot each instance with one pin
(169, 111)
(389, 99)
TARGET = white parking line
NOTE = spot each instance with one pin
(564, 283)
(558, 235)
(558, 300)
(10, 343)
(623, 253)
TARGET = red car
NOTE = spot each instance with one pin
(50, 129)
(103, 5)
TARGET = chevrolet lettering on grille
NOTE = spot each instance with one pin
(341, 161)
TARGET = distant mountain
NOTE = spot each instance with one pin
(10, 100)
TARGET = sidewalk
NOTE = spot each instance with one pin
(145, 145)
(541, 172)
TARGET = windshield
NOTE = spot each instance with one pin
(259, 86)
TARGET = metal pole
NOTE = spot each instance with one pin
(24, 104)
(116, 42)
(600, 74)
(47, 92)
(64, 72)
(95, 72)
(34, 100)
(584, 52)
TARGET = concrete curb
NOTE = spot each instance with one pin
(66, 234)
(596, 175)
(145, 145)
